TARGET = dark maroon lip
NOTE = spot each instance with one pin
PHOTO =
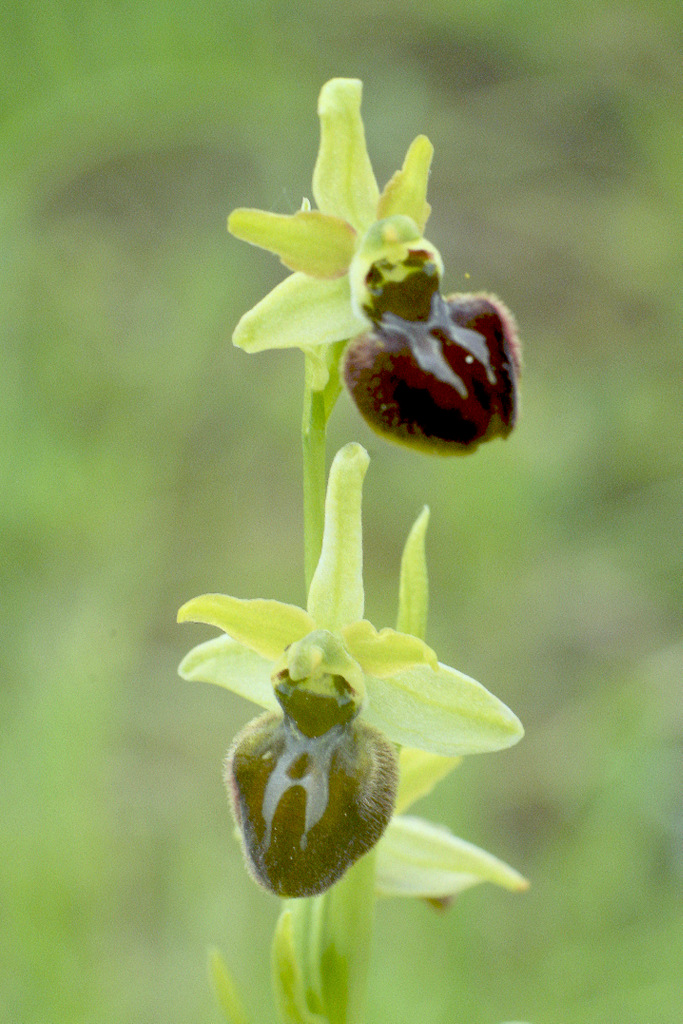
(444, 380)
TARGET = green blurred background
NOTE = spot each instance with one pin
(144, 460)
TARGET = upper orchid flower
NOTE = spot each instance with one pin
(435, 373)
(313, 782)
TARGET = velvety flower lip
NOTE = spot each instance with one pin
(330, 249)
(396, 677)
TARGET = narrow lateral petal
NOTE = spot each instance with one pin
(344, 184)
(335, 597)
(417, 858)
(413, 587)
(386, 652)
(266, 627)
(406, 191)
(444, 712)
(300, 312)
(312, 242)
(227, 663)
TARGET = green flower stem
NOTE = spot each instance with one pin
(346, 937)
(313, 426)
(339, 931)
(322, 948)
(322, 385)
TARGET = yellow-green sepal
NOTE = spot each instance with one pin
(227, 663)
(419, 772)
(301, 312)
(344, 183)
(336, 597)
(442, 711)
(265, 627)
(406, 190)
(314, 243)
(419, 859)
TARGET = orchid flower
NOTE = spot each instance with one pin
(434, 373)
(313, 782)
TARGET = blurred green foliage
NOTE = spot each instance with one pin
(144, 461)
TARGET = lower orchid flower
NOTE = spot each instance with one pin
(314, 781)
